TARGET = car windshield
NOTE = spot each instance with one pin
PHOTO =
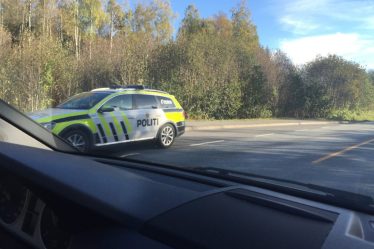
(83, 101)
(273, 89)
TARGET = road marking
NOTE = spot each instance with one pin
(302, 130)
(340, 152)
(131, 154)
(264, 135)
(212, 142)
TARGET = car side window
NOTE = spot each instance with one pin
(123, 102)
(165, 102)
(145, 101)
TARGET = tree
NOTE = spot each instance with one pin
(371, 76)
(92, 16)
(13, 13)
(1, 13)
(289, 85)
(46, 16)
(223, 26)
(342, 80)
(163, 28)
(116, 19)
(70, 25)
(243, 28)
(5, 38)
(191, 22)
(154, 20)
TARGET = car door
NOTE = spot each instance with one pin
(104, 133)
(120, 118)
(148, 116)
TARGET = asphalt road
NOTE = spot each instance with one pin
(335, 155)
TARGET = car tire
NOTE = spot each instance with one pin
(166, 136)
(79, 139)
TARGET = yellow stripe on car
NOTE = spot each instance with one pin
(116, 124)
(86, 122)
(127, 123)
(106, 126)
(175, 116)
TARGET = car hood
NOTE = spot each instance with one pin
(50, 114)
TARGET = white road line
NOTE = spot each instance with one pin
(131, 154)
(264, 135)
(212, 142)
(302, 130)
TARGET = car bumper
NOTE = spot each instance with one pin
(181, 127)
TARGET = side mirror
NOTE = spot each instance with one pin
(106, 109)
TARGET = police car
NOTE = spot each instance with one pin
(114, 115)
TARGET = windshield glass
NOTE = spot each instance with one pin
(281, 89)
(83, 101)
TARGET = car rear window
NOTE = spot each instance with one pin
(165, 102)
(145, 101)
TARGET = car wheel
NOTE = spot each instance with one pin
(79, 139)
(166, 136)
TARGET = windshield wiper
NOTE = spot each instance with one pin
(306, 190)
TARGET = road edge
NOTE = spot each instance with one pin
(240, 126)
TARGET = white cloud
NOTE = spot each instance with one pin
(351, 46)
(298, 26)
(310, 6)
(305, 16)
(368, 23)
(322, 27)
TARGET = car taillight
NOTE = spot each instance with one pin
(185, 115)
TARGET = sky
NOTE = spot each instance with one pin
(303, 29)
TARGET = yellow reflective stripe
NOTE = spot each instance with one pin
(92, 125)
(105, 124)
(127, 123)
(145, 92)
(174, 116)
(86, 122)
(176, 103)
(116, 124)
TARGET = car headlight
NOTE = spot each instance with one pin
(49, 125)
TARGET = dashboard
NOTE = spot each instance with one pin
(53, 200)
(23, 213)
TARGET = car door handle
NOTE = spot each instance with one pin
(131, 117)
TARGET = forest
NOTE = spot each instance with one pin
(216, 67)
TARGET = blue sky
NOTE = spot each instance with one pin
(304, 28)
